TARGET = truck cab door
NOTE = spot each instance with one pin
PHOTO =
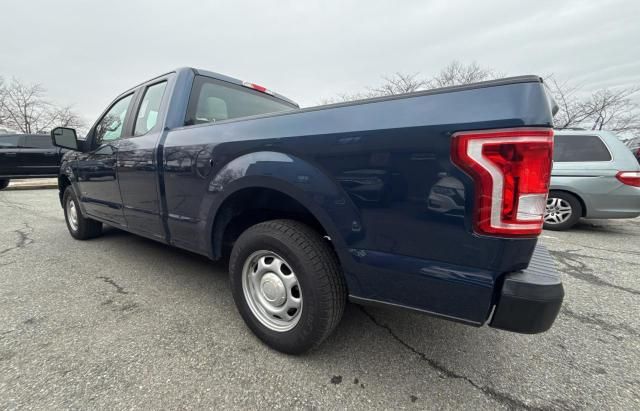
(38, 156)
(9, 155)
(96, 170)
(137, 166)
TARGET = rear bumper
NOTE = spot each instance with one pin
(530, 299)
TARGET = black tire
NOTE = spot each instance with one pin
(571, 220)
(4, 184)
(86, 227)
(315, 265)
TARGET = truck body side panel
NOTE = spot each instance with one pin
(371, 173)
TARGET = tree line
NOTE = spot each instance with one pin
(25, 108)
(603, 109)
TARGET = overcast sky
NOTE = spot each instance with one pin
(86, 52)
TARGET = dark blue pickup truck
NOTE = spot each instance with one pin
(430, 201)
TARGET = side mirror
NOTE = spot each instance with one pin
(65, 137)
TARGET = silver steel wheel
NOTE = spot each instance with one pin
(557, 211)
(272, 291)
(72, 214)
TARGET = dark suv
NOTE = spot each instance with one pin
(27, 156)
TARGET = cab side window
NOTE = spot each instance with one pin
(147, 116)
(38, 141)
(111, 126)
(9, 141)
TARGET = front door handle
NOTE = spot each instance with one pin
(11, 154)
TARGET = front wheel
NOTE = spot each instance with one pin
(287, 285)
(562, 212)
(80, 228)
(4, 184)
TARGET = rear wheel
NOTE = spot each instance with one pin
(4, 184)
(562, 212)
(80, 228)
(287, 285)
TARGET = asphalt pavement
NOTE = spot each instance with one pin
(125, 322)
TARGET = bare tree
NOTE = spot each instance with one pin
(3, 93)
(572, 111)
(456, 73)
(24, 106)
(604, 109)
(613, 110)
(400, 83)
(397, 83)
(66, 117)
(342, 97)
(25, 109)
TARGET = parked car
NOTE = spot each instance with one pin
(594, 176)
(28, 156)
(447, 197)
(634, 146)
(320, 205)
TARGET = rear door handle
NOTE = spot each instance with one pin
(49, 153)
(11, 154)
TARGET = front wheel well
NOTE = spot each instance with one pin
(251, 206)
(63, 183)
(582, 203)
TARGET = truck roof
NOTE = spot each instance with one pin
(220, 77)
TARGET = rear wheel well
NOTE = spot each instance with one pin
(250, 206)
(584, 206)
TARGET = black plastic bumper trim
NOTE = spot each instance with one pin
(530, 299)
(385, 304)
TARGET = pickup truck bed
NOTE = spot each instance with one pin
(376, 178)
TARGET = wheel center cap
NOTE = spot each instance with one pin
(272, 289)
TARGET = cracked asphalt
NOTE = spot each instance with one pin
(124, 322)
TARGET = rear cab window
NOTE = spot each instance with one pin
(579, 148)
(214, 100)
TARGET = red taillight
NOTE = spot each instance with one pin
(511, 170)
(630, 178)
(257, 87)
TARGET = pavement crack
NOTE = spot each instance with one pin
(17, 206)
(503, 398)
(27, 208)
(594, 320)
(24, 236)
(609, 250)
(119, 288)
(575, 253)
(24, 239)
(6, 332)
(578, 269)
